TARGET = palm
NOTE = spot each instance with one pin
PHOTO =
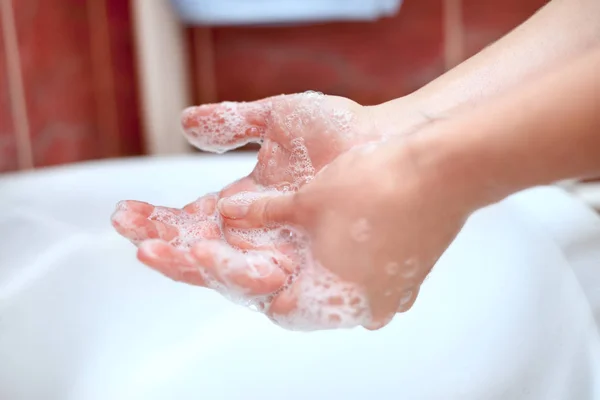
(291, 128)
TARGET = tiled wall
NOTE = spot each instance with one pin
(8, 143)
(369, 62)
(68, 84)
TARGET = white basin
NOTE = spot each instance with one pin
(508, 312)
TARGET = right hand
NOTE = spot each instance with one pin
(368, 229)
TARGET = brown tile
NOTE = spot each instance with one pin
(8, 142)
(123, 69)
(57, 72)
(368, 62)
(202, 63)
(103, 79)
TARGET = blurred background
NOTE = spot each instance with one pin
(95, 79)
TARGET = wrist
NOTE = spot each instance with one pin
(454, 167)
(398, 117)
(450, 155)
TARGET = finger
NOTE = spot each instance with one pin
(379, 323)
(171, 262)
(205, 205)
(262, 239)
(246, 184)
(284, 304)
(249, 239)
(407, 299)
(382, 315)
(251, 210)
(224, 126)
(250, 274)
(206, 226)
(287, 310)
(314, 298)
(134, 220)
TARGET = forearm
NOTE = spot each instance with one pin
(545, 131)
(558, 32)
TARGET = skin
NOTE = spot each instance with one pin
(431, 181)
(436, 179)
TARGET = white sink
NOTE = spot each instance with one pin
(508, 312)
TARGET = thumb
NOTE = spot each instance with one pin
(254, 210)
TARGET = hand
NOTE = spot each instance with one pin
(300, 135)
(368, 229)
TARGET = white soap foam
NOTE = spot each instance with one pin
(229, 125)
(342, 121)
(324, 301)
(232, 263)
(300, 165)
(245, 198)
(191, 227)
(225, 128)
(257, 237)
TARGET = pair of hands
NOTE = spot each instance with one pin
(336, 226)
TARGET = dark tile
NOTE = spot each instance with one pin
(123, 68)
(8, 143)
(54, 45)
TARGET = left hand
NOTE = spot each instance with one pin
(290, 128)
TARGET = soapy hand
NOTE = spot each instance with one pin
(368, 229)
(300, 134)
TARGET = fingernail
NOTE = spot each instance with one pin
(232, 209)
